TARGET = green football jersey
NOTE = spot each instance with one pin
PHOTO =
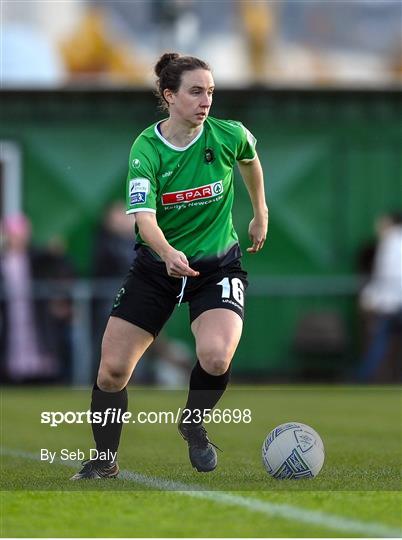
(190, 188)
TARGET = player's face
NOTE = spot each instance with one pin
(192, 101)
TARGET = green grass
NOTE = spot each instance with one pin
(361, 478)
(150, 514)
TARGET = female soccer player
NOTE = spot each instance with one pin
(180, 188)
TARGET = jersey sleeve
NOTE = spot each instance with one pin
(245, 145)
(141, 178)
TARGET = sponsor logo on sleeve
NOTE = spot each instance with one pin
(136, 163)
(138, 190)
(190, 195)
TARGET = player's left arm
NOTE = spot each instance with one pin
(252, 174)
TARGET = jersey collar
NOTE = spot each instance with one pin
(172, 146)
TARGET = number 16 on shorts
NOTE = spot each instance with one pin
(232, 289)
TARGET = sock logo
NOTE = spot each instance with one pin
(118, 298)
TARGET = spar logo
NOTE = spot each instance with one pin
(188, 195)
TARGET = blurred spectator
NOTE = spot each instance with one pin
(29, 326)
(178, 25)
(91, 52)
(55, 265)
(113, 256)
(321, 345)
(114, 243)
(259, 23)
(381, 302)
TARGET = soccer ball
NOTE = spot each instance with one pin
(293, 450)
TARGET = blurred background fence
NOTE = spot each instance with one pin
(317, 83)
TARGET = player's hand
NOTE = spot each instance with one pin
(257, 232)
(177, 265)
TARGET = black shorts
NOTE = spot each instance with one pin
(148, 295)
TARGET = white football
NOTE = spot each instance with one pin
(293, 450)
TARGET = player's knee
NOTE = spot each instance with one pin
(215, 360)
(111, 380)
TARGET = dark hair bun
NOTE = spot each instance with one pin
(163, 61)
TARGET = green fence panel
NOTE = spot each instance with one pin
(332, 163)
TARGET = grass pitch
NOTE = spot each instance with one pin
(356, 494)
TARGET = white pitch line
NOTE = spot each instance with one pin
(278, 510)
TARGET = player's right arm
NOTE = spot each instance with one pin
(144, 163)
(176, 262)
